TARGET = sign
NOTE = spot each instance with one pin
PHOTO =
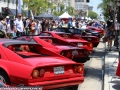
(75, 53)
(59, 70)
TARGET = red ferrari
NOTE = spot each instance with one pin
(78, 33)
(101, 31)
(66, 37)
(30, 64)
(59, 46)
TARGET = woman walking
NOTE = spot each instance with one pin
(110, 36)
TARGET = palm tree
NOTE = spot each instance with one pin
(105, 6)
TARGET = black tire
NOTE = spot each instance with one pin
(81, 60)
(73, 88)
(5, 77)
(68, 88)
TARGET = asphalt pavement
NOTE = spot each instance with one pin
(93, 70)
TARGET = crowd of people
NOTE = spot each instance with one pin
(10, 28)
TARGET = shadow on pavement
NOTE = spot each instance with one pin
(116, 86)
(109, 55)
(97, 55)
(93, 73)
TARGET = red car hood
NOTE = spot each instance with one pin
(47, 61)
(67, 47)
(75, 40)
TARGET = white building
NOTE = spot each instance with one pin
(81, 5)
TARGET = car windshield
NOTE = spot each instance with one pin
(28, 50)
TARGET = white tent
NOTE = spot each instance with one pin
(65, 15)
(89, 18)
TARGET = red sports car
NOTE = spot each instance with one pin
(30, 64)
(59, 46)
(66, 37)
(81, 33)
(101, 31)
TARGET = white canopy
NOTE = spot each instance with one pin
(65, 15)
(89, 18)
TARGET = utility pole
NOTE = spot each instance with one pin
(8, 3)
(16, 7)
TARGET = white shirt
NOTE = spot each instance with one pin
(38, 26)
(73, 23)
(19, 25)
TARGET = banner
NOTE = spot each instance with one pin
(31, 13)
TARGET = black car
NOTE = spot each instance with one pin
(79, 31)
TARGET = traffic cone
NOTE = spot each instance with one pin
(118, 68)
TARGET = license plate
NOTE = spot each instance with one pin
(89, 38)
(59, 70)
(80, 44)
(75, 53)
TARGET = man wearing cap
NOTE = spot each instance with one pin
(7, 20)
(19, 26)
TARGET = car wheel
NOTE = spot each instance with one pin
(4, 78)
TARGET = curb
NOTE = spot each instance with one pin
(110, 69)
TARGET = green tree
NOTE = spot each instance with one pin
(92, 15)
(37, 5)
(70, 10)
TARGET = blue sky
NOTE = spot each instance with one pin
(95, 3)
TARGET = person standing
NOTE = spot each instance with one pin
(27, 23)
(33, 27)
(11, 29)
(43, 24)
(2, 33)
(109, 35)
(73, 23)
(38, 27)
(19, 26)
(46, 25)
(7, 20)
